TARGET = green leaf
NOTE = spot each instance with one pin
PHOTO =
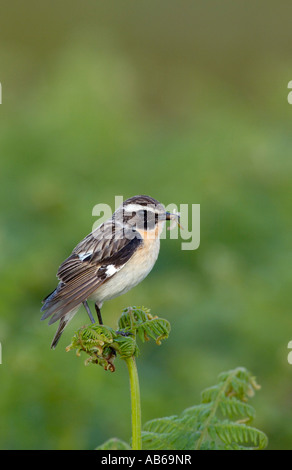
(145, 325)
(102, 343)
(114, 444)
(236, 433)
(202, 427)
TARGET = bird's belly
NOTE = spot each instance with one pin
(130, 275)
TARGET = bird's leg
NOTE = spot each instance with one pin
(88, 311)
(112, 354)
(124, 333)
(98, 314)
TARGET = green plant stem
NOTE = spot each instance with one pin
(135, 403)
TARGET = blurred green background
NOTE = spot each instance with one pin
(187, 102)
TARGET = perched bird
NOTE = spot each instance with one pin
(108, 262)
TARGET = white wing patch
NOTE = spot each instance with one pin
(112, 269)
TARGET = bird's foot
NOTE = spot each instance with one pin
(124, 333)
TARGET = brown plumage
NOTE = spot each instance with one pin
(107, 262)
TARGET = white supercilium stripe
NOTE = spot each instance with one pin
(138, 207)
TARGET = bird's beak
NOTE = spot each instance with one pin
(171, 216)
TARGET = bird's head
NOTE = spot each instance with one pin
(145, 214)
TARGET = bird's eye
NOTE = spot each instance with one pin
(145, 215)
(151, 220)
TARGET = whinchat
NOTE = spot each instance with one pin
(108, 262)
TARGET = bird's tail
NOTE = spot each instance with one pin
(62, 324)
(58, 308)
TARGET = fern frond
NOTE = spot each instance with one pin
(114, 444)
(102, 343)
(234, 408)
(221, 421)
(140, 320)
(241, 434)
(174, 432)
(202, 427)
